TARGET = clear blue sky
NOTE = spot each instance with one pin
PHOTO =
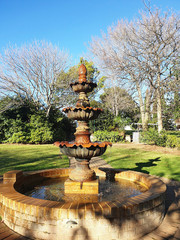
(70, 24)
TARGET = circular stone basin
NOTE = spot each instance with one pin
(121, 218)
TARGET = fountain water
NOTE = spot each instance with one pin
(73, 218)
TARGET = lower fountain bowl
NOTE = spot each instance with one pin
(45, 219)
(83, 151)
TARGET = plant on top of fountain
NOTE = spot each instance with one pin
(82, 148)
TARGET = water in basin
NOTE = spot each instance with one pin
(53, 189)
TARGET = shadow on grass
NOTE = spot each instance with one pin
(33, 164)
(15, 161)
(141, 165)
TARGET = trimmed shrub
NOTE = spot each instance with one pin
(152, 137)
(164, 139)
(18, 137)
(105, 122)
(40, 130)
(15, 131)
(173, 141)
(129, 132)
(161, 140)
(29, 124)
(174, 133)
(62, 129)
(112, 136)
(149, 136)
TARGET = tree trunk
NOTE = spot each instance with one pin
(48, 111)
(144, 117)
(159, 111)
(159, 106)
(116, 111)
(148, 104)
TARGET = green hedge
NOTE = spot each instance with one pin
(173, 141)
(112, 136)
(129, 132)
(163, 139)
(40, 130)
(36, 129)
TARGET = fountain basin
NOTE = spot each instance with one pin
(44, 219)
(83, 151)
(83, 86)
(82, 114)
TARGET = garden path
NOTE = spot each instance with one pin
(146, 147)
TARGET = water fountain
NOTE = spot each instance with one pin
(82, 148)
(82, 213)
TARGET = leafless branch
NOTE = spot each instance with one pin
(31, 72)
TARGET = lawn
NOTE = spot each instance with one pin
(37, 157)
(151, 162)
(30, 157)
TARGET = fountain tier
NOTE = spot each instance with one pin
(81, 114)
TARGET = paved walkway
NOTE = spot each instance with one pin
(168, 230)
(95, 162)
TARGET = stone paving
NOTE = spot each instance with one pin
(95, 162)
(169, 229)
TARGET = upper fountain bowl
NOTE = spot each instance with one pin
(83, 86)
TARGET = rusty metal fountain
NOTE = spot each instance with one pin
(82, 148)
(128, 216)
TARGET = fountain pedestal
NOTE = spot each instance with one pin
(82, 179)
(72, 187)
(82, 172)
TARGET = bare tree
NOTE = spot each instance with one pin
(157, 40)
(141, 53)
(117, 100)
(31, 72)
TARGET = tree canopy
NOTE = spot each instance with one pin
(140, 55)
(31, 72)
(118, 101)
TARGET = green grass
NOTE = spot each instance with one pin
(37, 157)
(155, 163)
(30, 157)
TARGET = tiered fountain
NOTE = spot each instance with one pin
(122, 216)
(82, 148)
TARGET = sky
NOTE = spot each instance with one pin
(70, 24)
